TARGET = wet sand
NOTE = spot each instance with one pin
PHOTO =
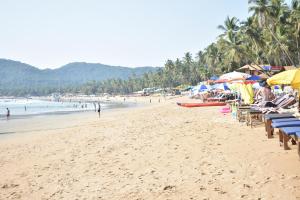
(160, 151)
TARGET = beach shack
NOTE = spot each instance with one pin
(251, 69)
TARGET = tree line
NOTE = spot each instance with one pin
(269, 36)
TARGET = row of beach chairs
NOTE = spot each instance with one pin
(253, 112)
(287, 125)
(288, 129)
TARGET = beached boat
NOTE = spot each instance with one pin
(191, 105)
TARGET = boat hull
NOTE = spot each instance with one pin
(207, 104)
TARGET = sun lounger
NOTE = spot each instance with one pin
(285, 134)
(280, 99)
(285, 120)
(278, 116)
(268, 121)
(242, 112)
(286, 124)
(253, 114)
(285, 103)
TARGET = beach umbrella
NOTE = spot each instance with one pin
(221, 86)
(290, 77)
(221, 81)
(231, 76)
(254, 78)
(204, 88)
(267, 68)
(256, 86)
(214, 78)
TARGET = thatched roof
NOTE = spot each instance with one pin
(252, 67)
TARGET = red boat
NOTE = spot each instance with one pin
(191, 105)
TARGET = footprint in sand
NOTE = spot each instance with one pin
(169, 187)
(7, 186)
(202, 188)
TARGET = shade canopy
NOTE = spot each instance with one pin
(291, 77)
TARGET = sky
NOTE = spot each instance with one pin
(132, 33)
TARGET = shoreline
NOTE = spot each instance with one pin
(115, 106)
(14, 126)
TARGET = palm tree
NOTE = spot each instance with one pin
(252, 38)
(212, 58)
(295, 22)
(261, 11)
(230, 27)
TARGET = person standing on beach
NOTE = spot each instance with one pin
(99, 109)
(7, 113)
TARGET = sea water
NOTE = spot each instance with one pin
(24, 107)
(41, 115)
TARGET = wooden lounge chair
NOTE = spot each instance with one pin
(285, 134)
(284, 138)
(242, 112)
(251, 115)
(268, 121)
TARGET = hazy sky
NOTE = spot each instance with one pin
(49, 34)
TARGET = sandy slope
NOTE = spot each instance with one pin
(158, 152)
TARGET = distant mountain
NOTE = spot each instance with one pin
(17, 75)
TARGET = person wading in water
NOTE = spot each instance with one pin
(7, 113)
(99, 109)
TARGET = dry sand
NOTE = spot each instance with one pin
(161, 151)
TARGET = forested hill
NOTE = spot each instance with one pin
(16, 75)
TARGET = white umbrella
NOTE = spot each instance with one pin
(235, 76)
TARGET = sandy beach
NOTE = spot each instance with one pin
(159, 151)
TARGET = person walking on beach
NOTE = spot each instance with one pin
(99, 109)
(7, 113)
